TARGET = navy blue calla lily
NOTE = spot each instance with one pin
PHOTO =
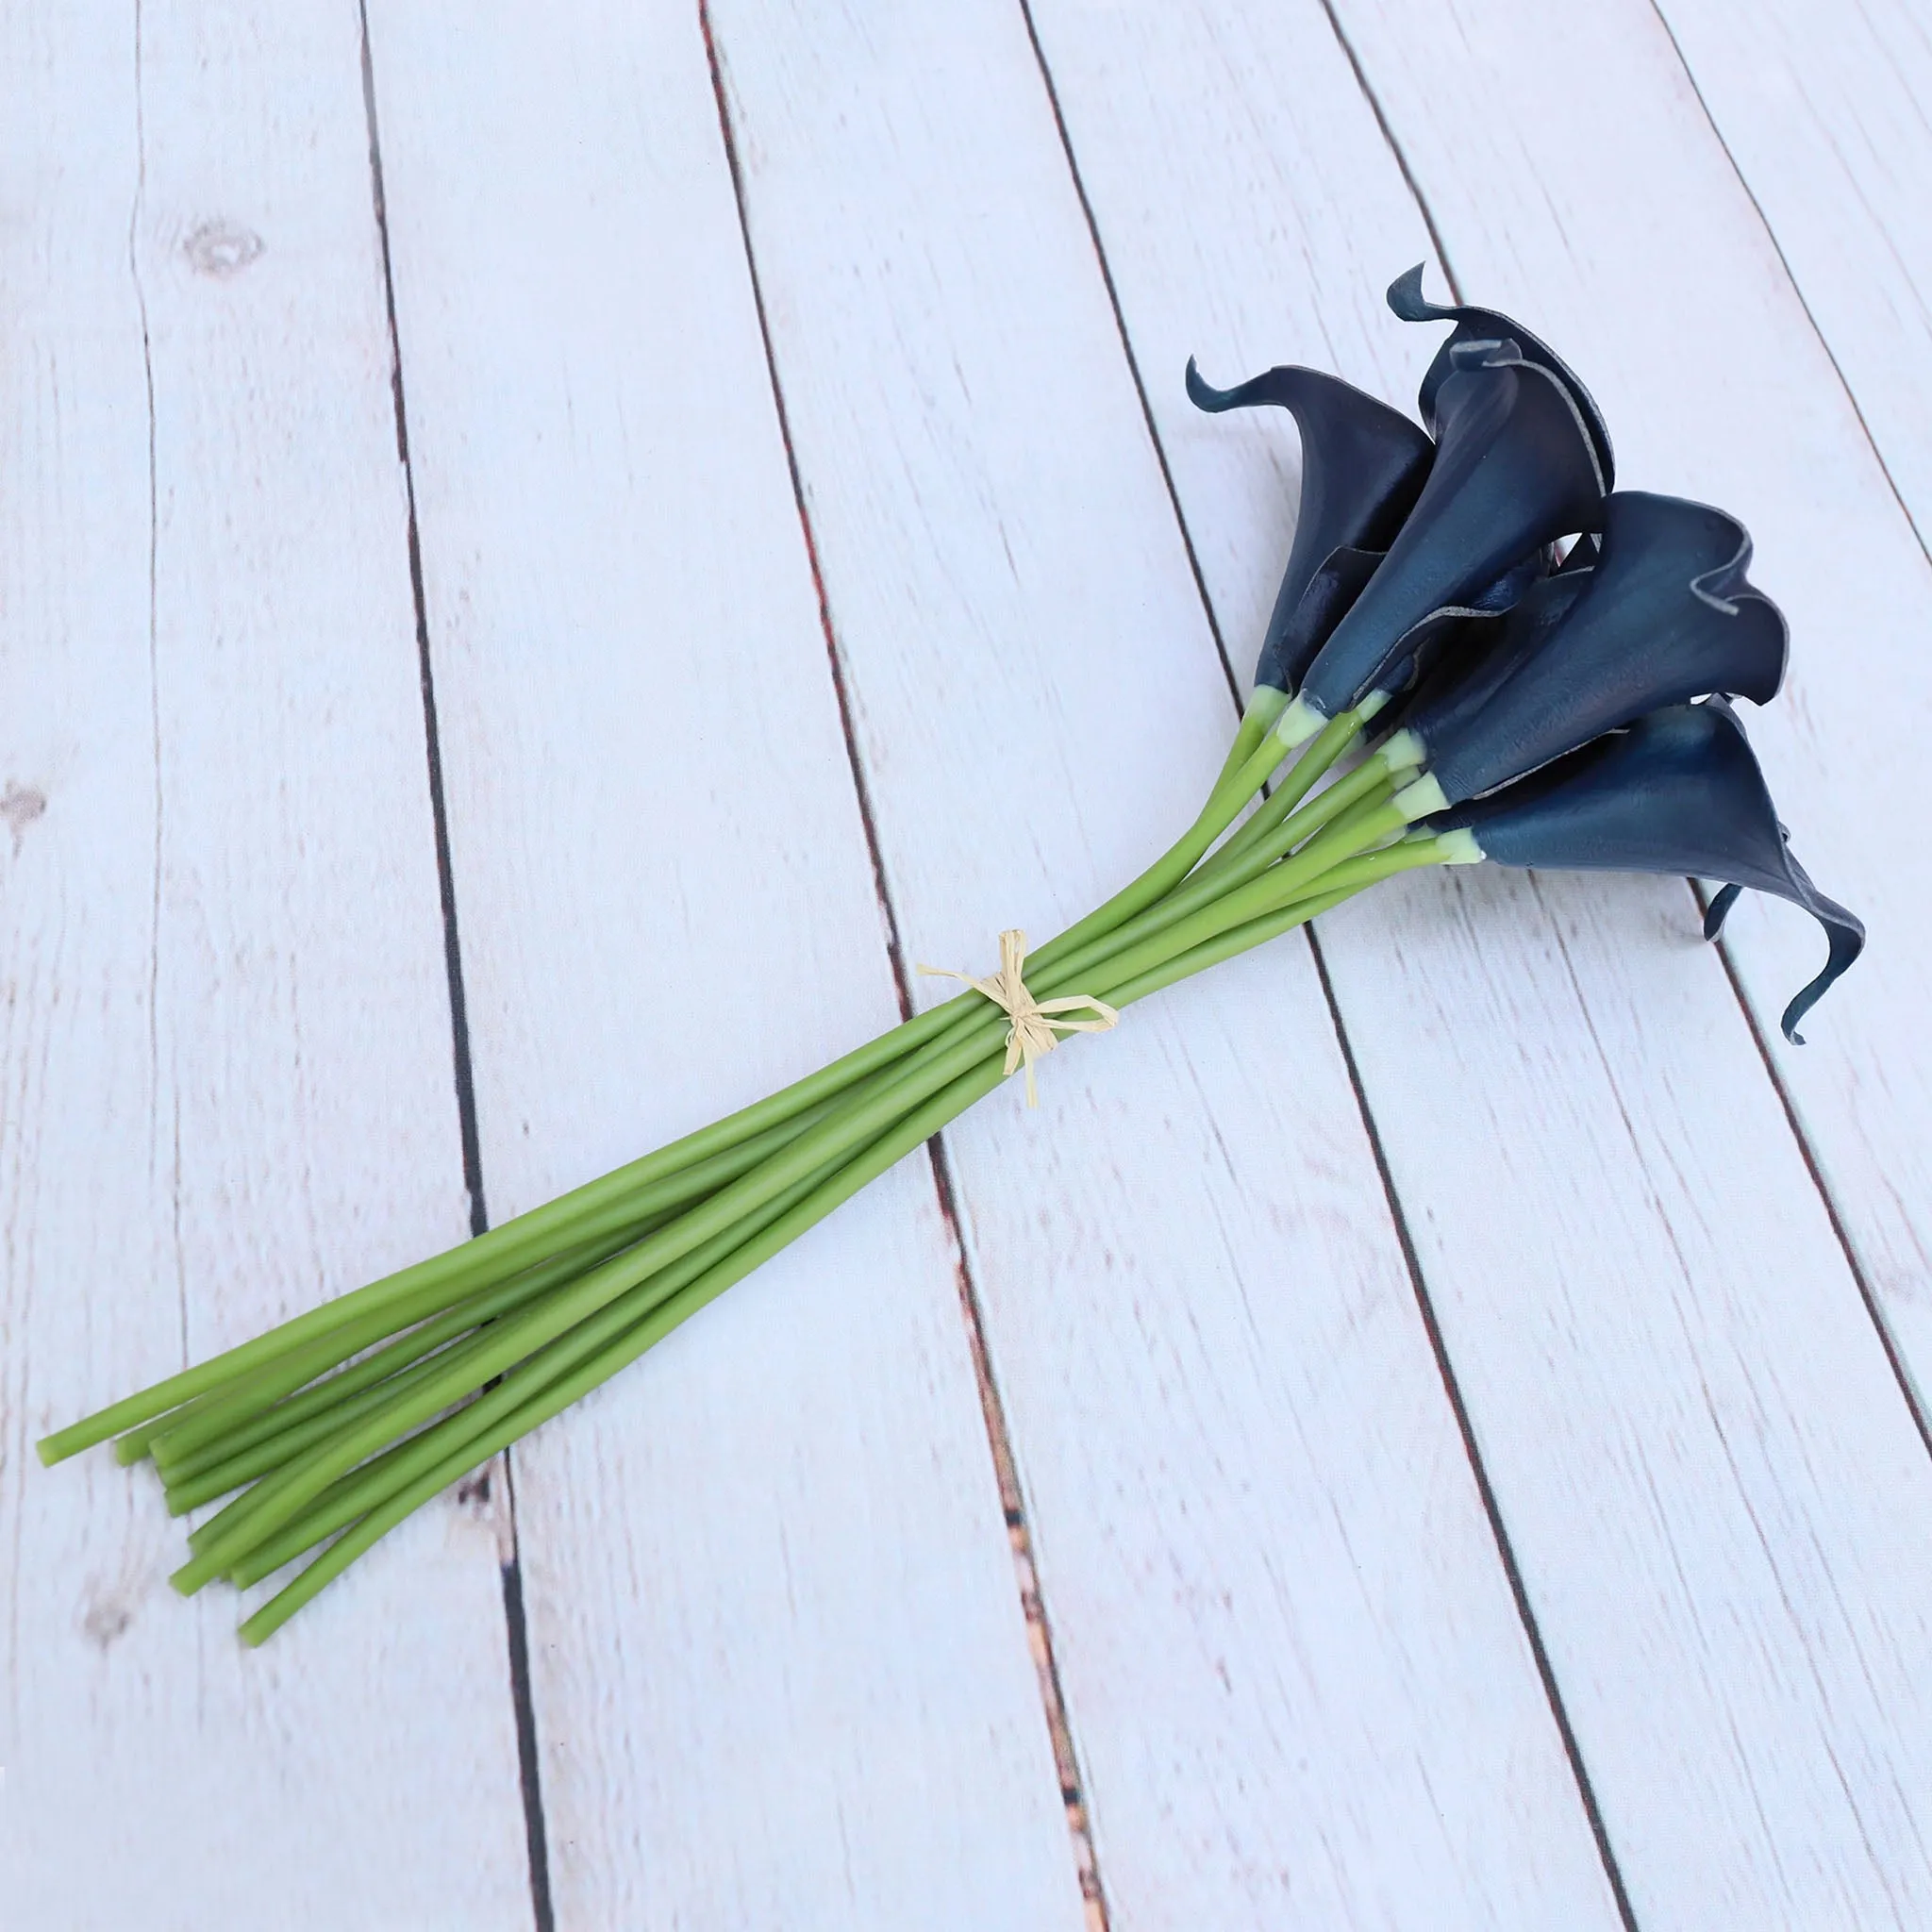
(1514, 471)
(1363, 465)
(1666, 614)
(1678, 791)
(1407, 299)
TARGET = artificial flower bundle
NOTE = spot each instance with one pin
(1543, 668)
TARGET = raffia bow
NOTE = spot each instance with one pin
(1036, 1027)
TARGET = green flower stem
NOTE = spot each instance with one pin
(363, 1495)
(1224, 806)
(844, 1132)
(216, 1543)
(504, 1250)
(1260, 715)
(946, 1104)
(1368, 806)
(188, 1490)
(1322, 752)
(1205, 887)
(1375, 818)
(1247, 741)
(255, 1421)
(209, 1429)
(323, 1517)
(1183, 864)
(246, 1411)
(244, 1381)
(1225, 945)
(465, 1441)
(248, 1397)
(425, 1465)
(1344, 882)
(614, 1202)
(326, 1396)
(368, 1486)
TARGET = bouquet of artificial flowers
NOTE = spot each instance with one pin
(1480, 651)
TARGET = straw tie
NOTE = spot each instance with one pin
(1036, 1028)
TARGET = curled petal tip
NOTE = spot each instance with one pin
(1406, 296)
(1846, 936)
(1719, 910)
(1473, 325)
(1362, 467)
(1203, 393)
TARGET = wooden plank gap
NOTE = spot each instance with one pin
(841, 688)
(154, 678)
(1452, 1388)
(1113, 302)
(1012, 1501)
(459, 1011)
(515, 1637)
(1395, 149)
(1020, 1533)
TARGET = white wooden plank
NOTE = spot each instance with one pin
(225, 1032)
(1293, 1671)
(1672, 1353)
(1825, 112)
(779, 1663)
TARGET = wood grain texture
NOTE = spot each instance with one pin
(225, 1072)
(1650, 1319)
(1295, 1677)
(779, 1663)
(1828, 114)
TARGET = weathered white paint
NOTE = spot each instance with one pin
(779, 1664)
(1295, 1677)
(224, 1037)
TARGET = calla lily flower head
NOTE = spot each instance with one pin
(1678, 791)
(1515, 469)
(1666, 614)
(1407, 299)
(1363, 465)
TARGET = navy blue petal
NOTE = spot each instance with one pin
(1332, 591)
(1678, 791)
(1514, 470)
(1451, 702)
(1666, 615)
(1407, 299)
(1459, 632)
(1362, 468)
(1509, 587)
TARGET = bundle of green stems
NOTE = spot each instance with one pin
(327, 1431)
